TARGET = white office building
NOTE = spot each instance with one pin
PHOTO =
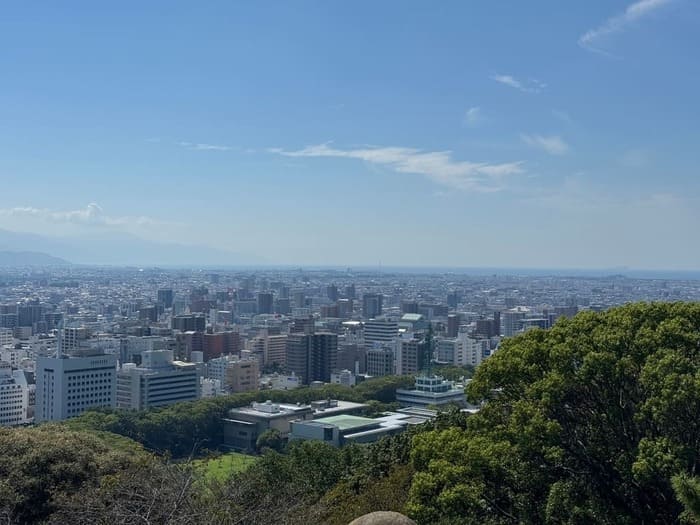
(14, 397)
(158, 381)
(67, 386)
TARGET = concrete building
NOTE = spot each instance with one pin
(187, 323)
(244, 425)
(165, 297)
(372, 305)
(67, 386)
(413, 356)
(381, 360)
(265, 303)
(14, 397)
(342, 429)
(242, 376)
(379, 331)
(159, 381)
(312, 356)
(431, 391)
(511, 320)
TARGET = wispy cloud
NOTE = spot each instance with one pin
(203, 147)
(563, 116)
(530, 85)
(553, 145)
(593, 39)
(438, 166)
(92, 215)
(472, 116)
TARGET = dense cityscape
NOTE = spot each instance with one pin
(79, 338)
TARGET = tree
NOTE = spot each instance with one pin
(270, 439)
(585, 423)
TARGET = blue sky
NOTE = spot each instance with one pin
(508, 134)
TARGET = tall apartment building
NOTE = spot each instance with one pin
(158, 381)
(265, 303)
(372, 305)
(14, 397)
(67, 386)
(165, 297)
(452, 325)
(312, 356)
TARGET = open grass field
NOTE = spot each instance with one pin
(221, 467)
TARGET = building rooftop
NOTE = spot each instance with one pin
(346, 422)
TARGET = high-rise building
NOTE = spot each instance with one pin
(283, 306)
(276, 349)
(380, 360)
(452, 325)
(324, 356)
(510, 321)
(73, 341)
(332, 292)
(67, 386)
(29, 314)
(221, 343)
(265, 303)
(350, 291)
(409, 307)
(159, 381)
(345, 307)
(351, 356)
(187, 323)
(297, 349)
(312, 356)
(379, 331)
(371, 305)
(14, 397)
(414, 356)
(453, 299)
(165, 297)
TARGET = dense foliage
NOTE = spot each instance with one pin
(585, 423)
(186, 429)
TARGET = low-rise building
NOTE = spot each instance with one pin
(431, 391)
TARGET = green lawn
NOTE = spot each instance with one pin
(220, 468)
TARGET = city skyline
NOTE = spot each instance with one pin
(401, 134)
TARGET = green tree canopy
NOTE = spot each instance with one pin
(585, 423)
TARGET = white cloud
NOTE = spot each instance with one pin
(593, 39)
(531, 85)
(553, 145)
(203, 147)
(435, 165)
(472, 116)
(91, 215)
(563, 116)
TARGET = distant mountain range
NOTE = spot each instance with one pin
(112, 248)
(8, 258)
